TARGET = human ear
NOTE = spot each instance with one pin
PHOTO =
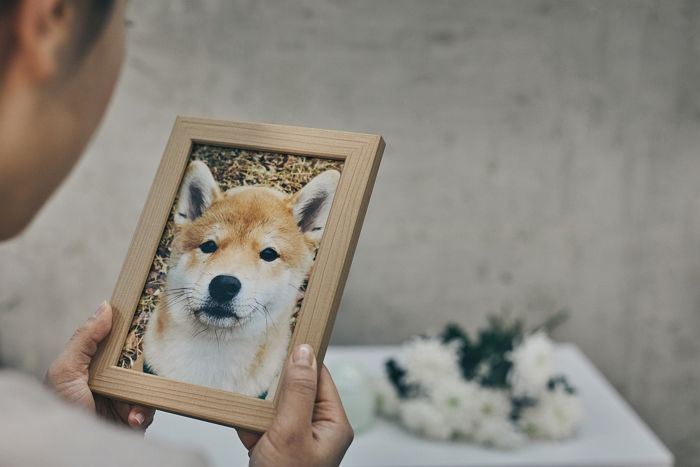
(42, 36)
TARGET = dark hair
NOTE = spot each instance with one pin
(91, 14)
(94, 15)
(7, 36)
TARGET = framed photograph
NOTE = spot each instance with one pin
(241, 252)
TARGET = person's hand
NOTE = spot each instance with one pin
(68, 374)
(310, 428)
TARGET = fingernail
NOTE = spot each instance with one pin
(303, 355)
(140, 418)
(101, 309)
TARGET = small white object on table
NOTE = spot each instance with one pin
(611, 435)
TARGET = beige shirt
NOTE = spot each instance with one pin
(37, 430)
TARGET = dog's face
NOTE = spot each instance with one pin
(239, 257)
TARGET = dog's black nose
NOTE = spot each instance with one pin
(224, 288)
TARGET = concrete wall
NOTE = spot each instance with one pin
(540, 155)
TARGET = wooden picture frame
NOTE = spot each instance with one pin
(360, 155)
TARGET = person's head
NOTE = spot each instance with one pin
(59, 61)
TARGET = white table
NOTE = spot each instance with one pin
(612, 435)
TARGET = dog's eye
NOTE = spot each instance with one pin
(269, 254)
(209, 246)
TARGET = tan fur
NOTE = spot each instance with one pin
(258, 360)
(245, 218)
(162, 318)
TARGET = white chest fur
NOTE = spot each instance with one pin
(219, 358)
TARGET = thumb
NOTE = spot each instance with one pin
(296, 403)
(83, 345)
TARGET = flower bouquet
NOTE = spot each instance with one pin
(498, 389)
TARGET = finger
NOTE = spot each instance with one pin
(135, 416)
(296, 402)
(83, 345)
(248, 438)
(119, 410)
(139, 417)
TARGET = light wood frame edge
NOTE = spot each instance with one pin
(361, 154)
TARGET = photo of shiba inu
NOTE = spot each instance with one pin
(238, 259)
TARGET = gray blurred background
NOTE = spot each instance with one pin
(540, 155)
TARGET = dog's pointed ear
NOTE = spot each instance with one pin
(312, 203)
(197, 191)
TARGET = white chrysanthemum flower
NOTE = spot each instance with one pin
(423, 418)
(556, 416)
(498, 433)
(493, 403)
(532, 365)
(429, 362)
(482, 370)
(459, 403)
(386, 397)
